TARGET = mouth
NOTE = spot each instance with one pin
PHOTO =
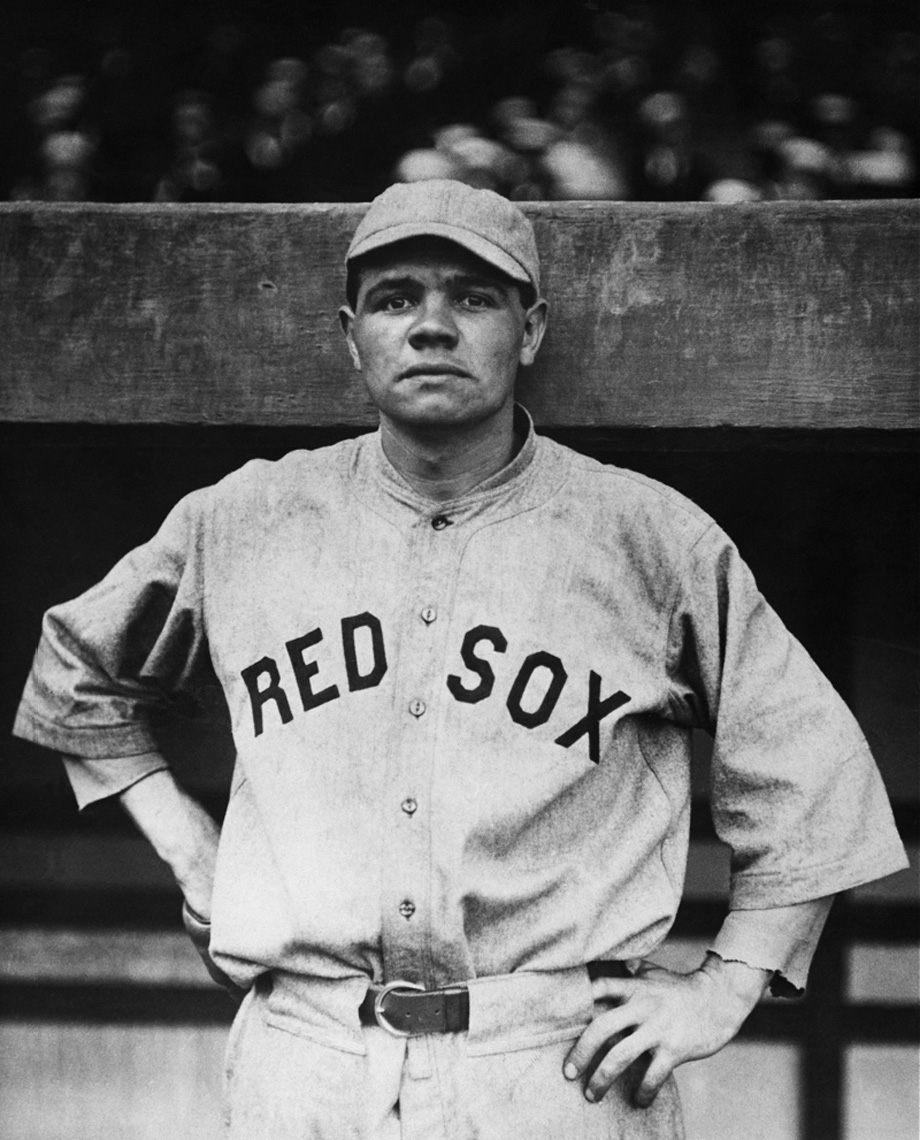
(432, 369)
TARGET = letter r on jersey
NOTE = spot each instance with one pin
(266, 667)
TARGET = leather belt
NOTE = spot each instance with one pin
(405, 1009)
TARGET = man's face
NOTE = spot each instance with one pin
(438, 334)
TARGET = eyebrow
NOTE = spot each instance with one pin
(463, 280)
(385, 283)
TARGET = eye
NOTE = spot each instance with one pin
(476, 301)
(395, 303)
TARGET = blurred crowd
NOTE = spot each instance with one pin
(628, 101)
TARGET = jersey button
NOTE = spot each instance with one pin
(428, 615)
(439, 522)
(407, 909)
(409, 805)
(417, 707)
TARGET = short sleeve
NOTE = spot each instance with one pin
(112, 657)
(795, 792)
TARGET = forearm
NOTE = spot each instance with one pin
(182, 833)
(780, 939)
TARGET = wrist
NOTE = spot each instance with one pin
(195, 877)
(734, 989)
(742, 984)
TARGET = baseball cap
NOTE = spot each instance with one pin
(481, 221)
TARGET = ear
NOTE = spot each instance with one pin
(347, 321)
(534, 328)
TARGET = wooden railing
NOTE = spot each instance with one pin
(683, 316)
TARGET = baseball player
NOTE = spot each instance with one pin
(463, 665)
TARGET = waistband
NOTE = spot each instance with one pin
(507, 1012)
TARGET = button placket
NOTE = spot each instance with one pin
(405, 935)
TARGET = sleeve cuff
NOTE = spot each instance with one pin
(98, 741)
(94, 780)
(782, 940)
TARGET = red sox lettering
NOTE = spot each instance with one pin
(263, 680)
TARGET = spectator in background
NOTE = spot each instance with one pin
(635, 102)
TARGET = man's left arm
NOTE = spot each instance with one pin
(796, 797)
(675, 1017)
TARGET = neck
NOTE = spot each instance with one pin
(443, 463)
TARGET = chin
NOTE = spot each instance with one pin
(438, 410)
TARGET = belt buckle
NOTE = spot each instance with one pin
(379, 999)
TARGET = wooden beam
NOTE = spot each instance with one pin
(105, 957)
(687, 315)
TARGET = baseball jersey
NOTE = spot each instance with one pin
(463, 729)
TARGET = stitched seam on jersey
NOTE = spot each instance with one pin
(287, 1023)
(612, 471)
(478, 495)
(678, 591)
(422, 506)
(805, 871)
(137, 738)
(232, 1052)
(235, 791)
(355, 480)
(435, 1060)
(367, 502)
(476, 529)
(671, 496)
(674, 814)
(127, 726)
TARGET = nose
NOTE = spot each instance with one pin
(434, 324)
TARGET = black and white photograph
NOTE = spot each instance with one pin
(461, 561)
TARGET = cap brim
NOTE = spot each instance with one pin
(475, 244)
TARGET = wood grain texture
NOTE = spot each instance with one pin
(688, 315)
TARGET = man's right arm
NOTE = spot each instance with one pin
(186, 838)
(182, 833)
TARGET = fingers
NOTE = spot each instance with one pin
(603, 1031)
(618, 1037)
(615, 1062)
(659, 1069)
(613, 989)
(605, 1067)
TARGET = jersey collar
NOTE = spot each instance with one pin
(521, 481)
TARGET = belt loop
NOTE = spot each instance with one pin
(418, 1061)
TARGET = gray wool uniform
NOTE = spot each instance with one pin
(463, 729)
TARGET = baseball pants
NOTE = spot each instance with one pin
(300, 1066)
